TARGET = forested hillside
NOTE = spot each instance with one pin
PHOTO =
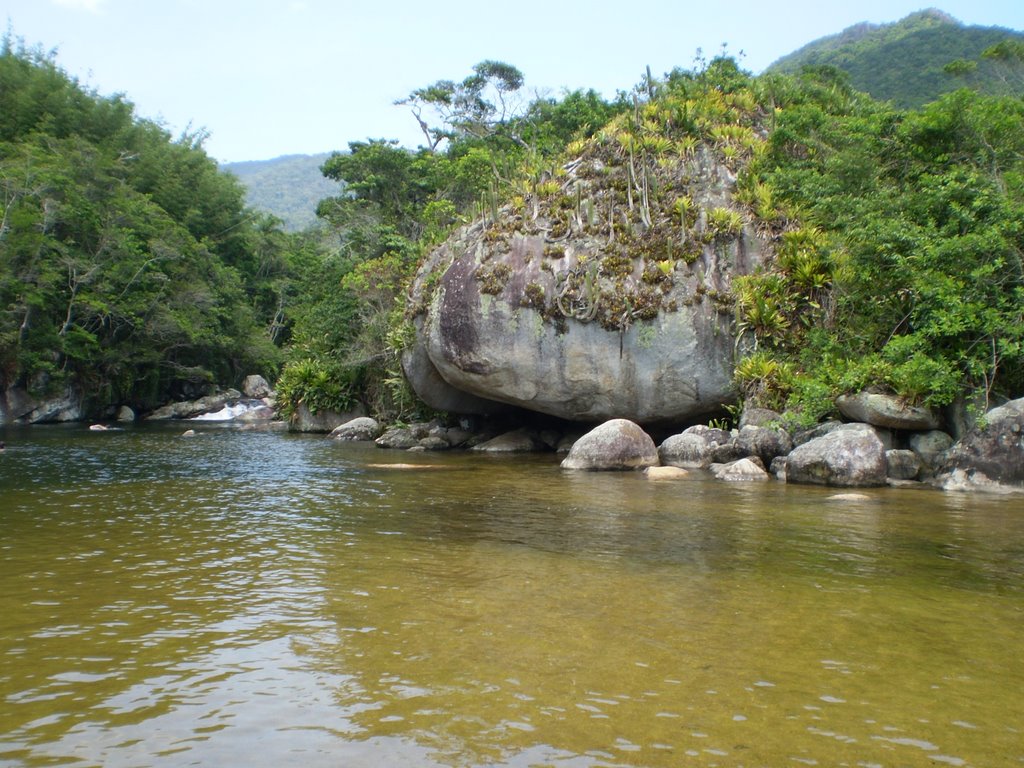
(288, 187)
(129, 269)
(907, 62)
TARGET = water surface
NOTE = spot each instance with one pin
(253, 598)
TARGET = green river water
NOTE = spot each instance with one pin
(251, 598)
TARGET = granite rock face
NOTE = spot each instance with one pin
(17, 406)
(557, 314)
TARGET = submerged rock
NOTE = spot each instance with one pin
(666, 473)
(741, 471)
(616, 444)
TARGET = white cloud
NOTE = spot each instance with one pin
(92, 6)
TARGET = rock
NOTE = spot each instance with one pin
(438, 393)
(258, 413)
(962, 414)
(304, 420)
(759, 417)
(850, 455)
(666, 473)
(362, 428)
(886, 411)
(506, 315)
(566, 442)
(456, 437)
(696, 448)
(25, 409)
(550, 437)
(740, 471)
(616, 444)
(400, 438)
(189, 408)
(849, 497)
(778, 467)
(991, 456)
(902, 465)
(764, 442)
(711, 434)
(517, 441)
(684, 450)
(931, 446)
(125, 414)
(434, 443)
(805, 436)
(256, 387)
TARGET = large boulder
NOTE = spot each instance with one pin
(552, 313)
(991, 456)
(256, 387)
(886, 411)
(616, 444)
(850, 455)
(322, 421)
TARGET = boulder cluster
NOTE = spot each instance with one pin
(891, 444)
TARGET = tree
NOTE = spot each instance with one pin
(481, 105)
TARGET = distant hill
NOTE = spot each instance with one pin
(903, 62)
(288, 187)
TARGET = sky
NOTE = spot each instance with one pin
(267, 78)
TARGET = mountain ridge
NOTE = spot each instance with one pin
(903, 61)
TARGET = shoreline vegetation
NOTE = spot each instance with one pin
(888, 247)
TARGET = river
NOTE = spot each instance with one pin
(259, 598)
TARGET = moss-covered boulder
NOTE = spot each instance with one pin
(604, 293)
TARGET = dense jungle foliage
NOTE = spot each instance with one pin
(130, 267)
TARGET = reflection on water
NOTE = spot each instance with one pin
(257, 598)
